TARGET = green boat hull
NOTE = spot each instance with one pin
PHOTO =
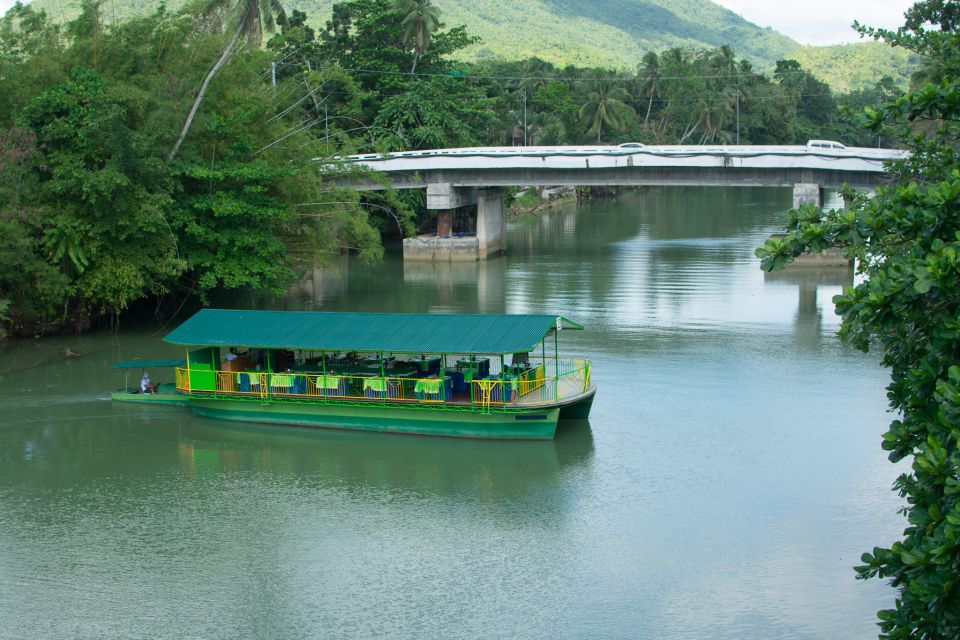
(433, 421)
(579, 410)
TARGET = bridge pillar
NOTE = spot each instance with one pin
(491, 232)
(807, 193)
(445, 196)
(443, 246)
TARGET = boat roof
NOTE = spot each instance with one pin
(368, 332)
(143, 364)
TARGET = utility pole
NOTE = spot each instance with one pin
(524, 118)
(273, 75)
(738, 116)
(326, 123)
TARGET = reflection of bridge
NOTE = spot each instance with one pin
(456, 178)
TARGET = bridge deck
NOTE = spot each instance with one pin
(664, 165)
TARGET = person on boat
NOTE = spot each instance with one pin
(145, 385)
(231, 355)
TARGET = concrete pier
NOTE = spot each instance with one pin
(448, 244)
(491, 230)
(807, 193)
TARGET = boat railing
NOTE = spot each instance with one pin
(571, 377)
(533, 386)
(310, 385)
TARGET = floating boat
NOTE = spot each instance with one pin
(475, 376)
(165, 392)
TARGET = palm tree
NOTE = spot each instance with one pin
(251, 18)
(714, 113)
(650, 78)
(420, 20)
(536, 73)
(725, 62)
(607, 105)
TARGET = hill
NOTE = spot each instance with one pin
(609, 33)
(853, 66)
(600, 32)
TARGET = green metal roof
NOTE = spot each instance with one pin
(137, 364)
(370, 332)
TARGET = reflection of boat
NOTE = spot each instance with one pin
(164, 393)
(353, 461)
(404, 373)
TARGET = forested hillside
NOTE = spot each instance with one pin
(601, 32)
(851, 66)
(607, 33)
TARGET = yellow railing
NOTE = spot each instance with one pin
(532, 387)
(573, 378)
(531, 379)
(183, 380)
(311, 385)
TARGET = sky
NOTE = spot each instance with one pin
(807, 22)
(819, 21)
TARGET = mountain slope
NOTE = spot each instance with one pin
(852, 66)
(609, 33)
(599, 32)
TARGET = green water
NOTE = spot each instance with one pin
(729, 477)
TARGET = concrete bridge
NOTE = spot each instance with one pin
(457, 180)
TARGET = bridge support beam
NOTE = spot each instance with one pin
(491, 231)
(807, 193)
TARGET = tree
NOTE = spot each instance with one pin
(907, 242)
(650, 79)
(249, 18)
(104, 198)
(606, 105)
(420, 20)
(437, 113)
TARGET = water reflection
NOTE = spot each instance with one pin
(322, 283)
(361, 463)
(816, 287)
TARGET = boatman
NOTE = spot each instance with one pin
(145, 385)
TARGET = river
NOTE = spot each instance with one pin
(727, 482)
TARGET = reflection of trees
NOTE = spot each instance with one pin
(394, 286)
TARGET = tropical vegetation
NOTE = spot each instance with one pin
(172, 155)
(612, 34)
(906, 241)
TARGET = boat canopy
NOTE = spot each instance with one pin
(143, 364)
(368, 332)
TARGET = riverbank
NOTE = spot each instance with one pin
(545, 198)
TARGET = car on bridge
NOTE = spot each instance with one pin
(824, 144)
(632, 145)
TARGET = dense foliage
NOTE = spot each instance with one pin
(607, 33)
(847, 67)
(92, 215)
(907, 243)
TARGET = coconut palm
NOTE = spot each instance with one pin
(536, 73)
(714, 114)
(248, 19)
(650, 78)
(420, 20)
(607, 104)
